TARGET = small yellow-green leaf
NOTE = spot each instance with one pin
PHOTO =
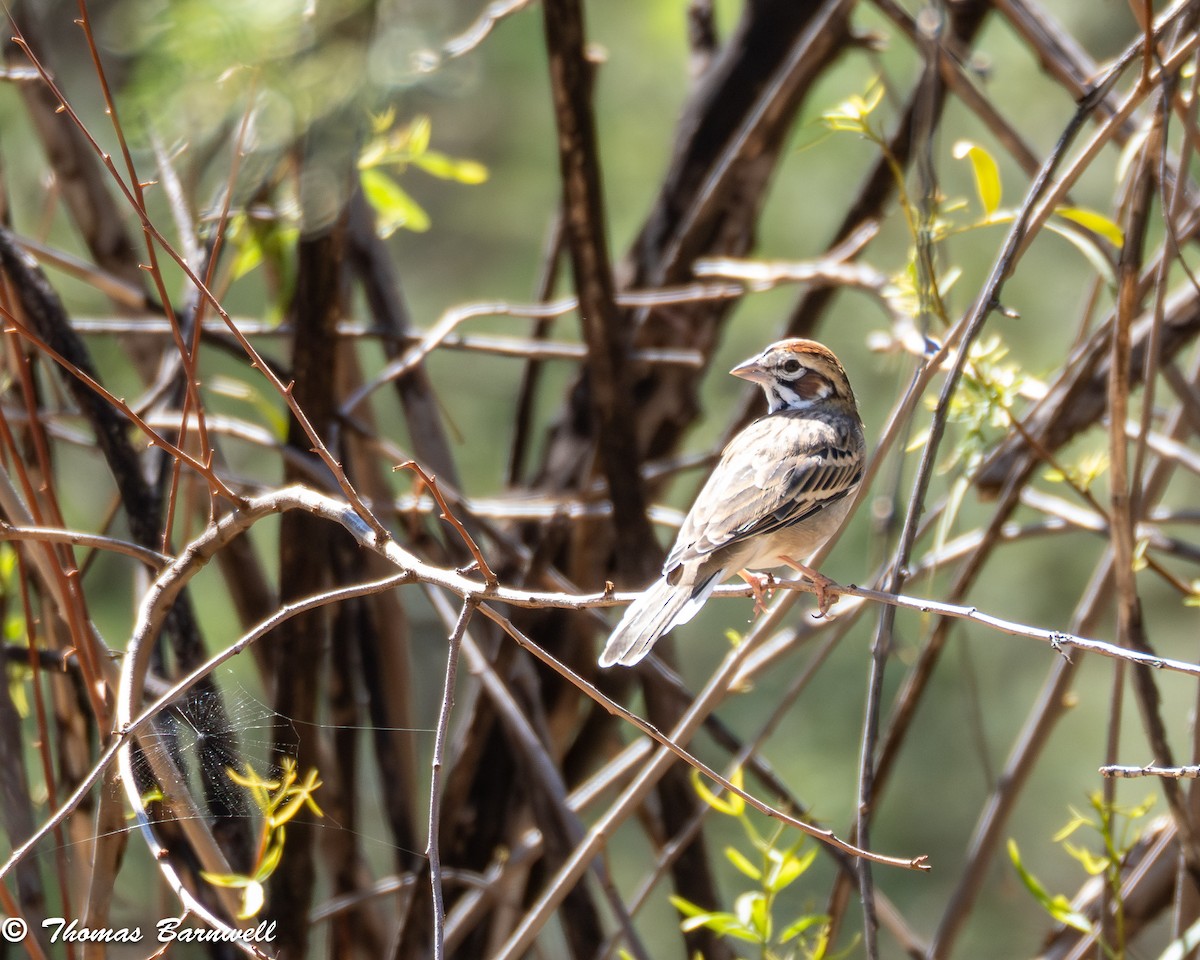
(259, 788)
(154, 794)
(917, 442)
(271, 859)
(987, 174)
(752, 910)
(18, 680)
(1139, 554)
(449, 168)
(238, 390)
(1086, 244)
(733, 806)
(696, 922)
(1096, 222)
(800, 926)
(394, 208)
(738, 859)
(1143, 808)
(1093, 864)
(1077, 820)
(1060, 909)
(382, 122)
(873, 96)
(1058, 906)
(287, 810)
(249, 255)
(686, 907)
(309, 787)
(419, 132)
(234, 881)
(1027, 878)
(851, 114)
(788, 869)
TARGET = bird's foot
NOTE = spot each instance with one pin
(822, 586)
(761, 585)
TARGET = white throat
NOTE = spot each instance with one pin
(781, 396)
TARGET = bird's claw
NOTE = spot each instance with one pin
(825, 599)
(761, 585)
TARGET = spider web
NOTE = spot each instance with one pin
(233, 727)
(205, 733)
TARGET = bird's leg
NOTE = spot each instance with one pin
(759, 584)
(820, 582)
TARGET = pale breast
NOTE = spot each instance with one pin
(798, 541)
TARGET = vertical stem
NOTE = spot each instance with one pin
(435, 780)
(925, 114)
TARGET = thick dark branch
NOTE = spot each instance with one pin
(583, 217)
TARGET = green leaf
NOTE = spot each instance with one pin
(270, 860)
(382, 122)
(685, 906)
(1085, 244)
(792, 931)
(754, 913)
(987, 174)
(733, 806)
(1139, 554)
(394, 208)
(1096, 222)
(738, 859)
(246, 242)
(698, 921)
(448, 168)
(917, 442)
(153, 795)
(1027, 878)
(1092, 864)
(725, 924)
(245, 393)
(851, 114)
(1060, 909)
(419, 132)
(1057, 906)
(1077, 820)
(234, 881)
(1143, 808)
(789, 868)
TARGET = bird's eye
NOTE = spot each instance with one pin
(791, 366)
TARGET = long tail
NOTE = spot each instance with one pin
(656, 611)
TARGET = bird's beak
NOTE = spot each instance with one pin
(751, 370)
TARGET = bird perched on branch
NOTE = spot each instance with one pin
(781, 489)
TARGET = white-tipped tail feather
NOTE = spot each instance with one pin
(662, 607)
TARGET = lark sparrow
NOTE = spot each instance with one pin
(782, 488)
